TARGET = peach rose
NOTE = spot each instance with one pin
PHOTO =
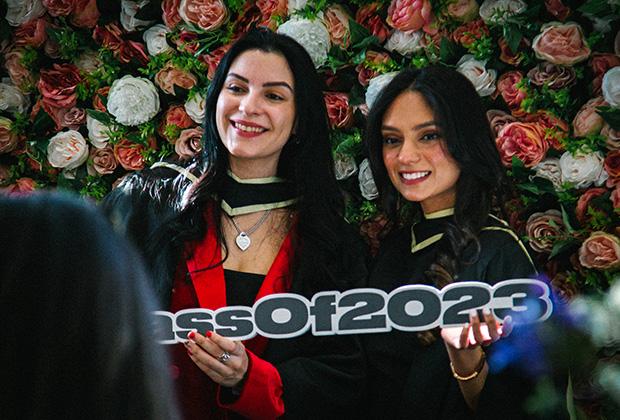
(102, 161)
(612, 137)
(175, 116)
(588, 121)
(58, 85)
(469, 32)
(368, 69)
(525, 141)
(562, 44)
(170, 13)
(337, 23)
(21, 186)
(556, 77)
(129, 155)
(100, 97)
(463, 10)
(86, 14)
(557, 9)
(543, 228)
(270, 9)
(563, 288)
(171, 76)
(367, 17)
(132, 50)
(59, 7)
(31, 33)
(339, 110)
(207, 15)
(498, 119)
(108, 36)
(512, 95)
(20, 75)
(581, 209)
(555, 128)
(73, 118)
(612, 167)
(189, 143)
(600, 251)
(410, 15)
(8, 139)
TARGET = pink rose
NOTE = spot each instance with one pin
(556, 77)
(612, 167)
(270, 9)
(557, 9)
(600, 251)
(581, 210)
(555, 128)
(59, 7)
(525, 141)
(410, 15)
(170, 76)
(514, 58)
(498, 119)
(129, 155)
(102, 161)
(58, 85)
(73, 118)
(512, 95)
(8, 139)
(189, 143)
(208, 15)
(20, 75)
(543, 228)
(612, 137)
(368, 69)
(600, 63)
(187, 41)
(562, 44)
(615, 198)
(86, 14)
(170, 10)
(339, 110)
(212, 60)
(367, 17)
(132, 50)
(21, 186)
(100, 95)
(175, 116)
(564, 288)
(109, 36)
(588, 121)
(463, 10)
(469, 32)
(337, 22)
(31, 33)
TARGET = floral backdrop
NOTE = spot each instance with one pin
(93, 90)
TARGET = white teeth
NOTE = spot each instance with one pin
(248, 128)
(414, 175)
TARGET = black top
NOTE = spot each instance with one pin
(242, 288)
(408, 379)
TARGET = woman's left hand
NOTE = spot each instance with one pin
(223, 360)
(477, 333)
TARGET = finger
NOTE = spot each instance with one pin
(226, 344)
(475, 326)
(464, 337)
(205, 343)
(507, 326)
(491, 322)
(210, 364)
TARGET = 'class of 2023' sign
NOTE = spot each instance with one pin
(362, 311)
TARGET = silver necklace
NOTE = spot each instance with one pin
(243, 240)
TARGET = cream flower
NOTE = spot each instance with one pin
(67, 150)
(496, 11)
(583, 169)
(195, 108)
(155, 39)
(366, 181)
(133, 100)
(128, 10)
(611, 87)
(376, 85)
(550, 169)
(311, 34)
(344, 166)
(12, 99)
(22, 11)
(294, 5)
(482, 79)
(404, 43)
(98, 133)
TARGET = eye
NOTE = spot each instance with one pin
(431, 136)
(234, 88)
(274, 96)
(390, 140)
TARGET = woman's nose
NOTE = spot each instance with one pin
(250, 103)
(409, 152)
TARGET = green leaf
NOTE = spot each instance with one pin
(566, 220)
(447, 50)
(597, 8)
(513, 37)
(562, 246)
(610, 115)
(102, 117)
(358, 32)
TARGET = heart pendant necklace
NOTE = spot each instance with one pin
(243, 240)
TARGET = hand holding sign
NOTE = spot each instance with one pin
(475, 332)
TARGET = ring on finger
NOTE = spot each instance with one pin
(224, 357)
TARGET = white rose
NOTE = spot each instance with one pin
(344, 166)
(195, 108)
(98, 132)
(496, 11)
(611, 87)
(549, 169)
(155, 38)
(67, 149)
(311, 34)
(583, 169)
(21, 11)
(294, 5)
(128, 11)
(12, 99)
(366, 181)
(133, 100)
(404, 43)
(376, 85)
(482, 79)
(88, 62)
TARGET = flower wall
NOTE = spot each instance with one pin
(93, 90)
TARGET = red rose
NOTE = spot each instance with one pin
(612, 167)
(132, 50)
(557, 9)
(555, 128)
(366, 70)
(367, 17)
(212, 60)
(581, 210)
(615, 198)
(102, 93)
(86, 14)
(109, 36)
(129, 155)
(600, 63)
(469, 32)
(187, 41)
(170, 9)
(338, 109)
(21, 186)
(59, 7)
(512, 95)
(31, 33)
(525, 141)
(189, 143)
(58, 85)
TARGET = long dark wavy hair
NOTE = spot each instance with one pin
(468, 138)
(306, 160)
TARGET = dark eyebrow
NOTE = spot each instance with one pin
(268, 84)
(417, 127)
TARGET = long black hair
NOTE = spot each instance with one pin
(468, 137)
(75, 313)
(306, 161)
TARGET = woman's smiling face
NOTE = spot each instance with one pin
(256, 112)
(415, 155)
